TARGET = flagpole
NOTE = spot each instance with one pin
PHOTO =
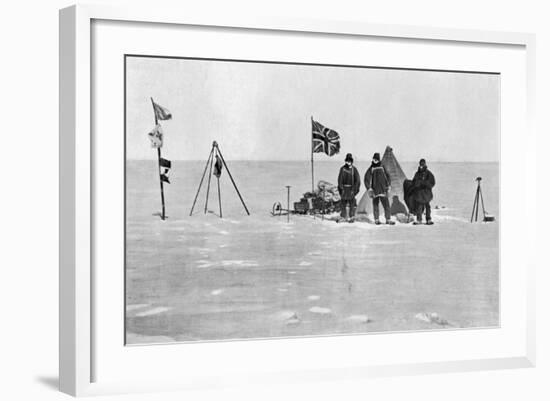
(163, 216)
(311, 140)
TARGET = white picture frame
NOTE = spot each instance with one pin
(77, 368)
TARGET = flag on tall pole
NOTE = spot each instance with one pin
(156, 137)
(167, 165)
(161, 113)
(323, 140)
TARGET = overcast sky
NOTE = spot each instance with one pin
(261, 111)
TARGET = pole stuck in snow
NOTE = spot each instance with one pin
(163, 212)
(288, 203)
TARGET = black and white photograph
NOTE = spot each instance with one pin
(262, 201)
(273, 200)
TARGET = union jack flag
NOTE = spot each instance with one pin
(325, 140)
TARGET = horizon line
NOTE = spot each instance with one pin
(321, 161)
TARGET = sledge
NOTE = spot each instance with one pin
(323, 201)
(278, 210)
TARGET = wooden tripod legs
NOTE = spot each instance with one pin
(215, 153)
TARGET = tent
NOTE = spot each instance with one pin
(397, 177)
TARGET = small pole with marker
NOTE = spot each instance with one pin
(288, 203)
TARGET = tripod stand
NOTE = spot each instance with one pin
(215, 153)
(475, 209)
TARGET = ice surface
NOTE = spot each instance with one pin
(432, 318)
(391, 272)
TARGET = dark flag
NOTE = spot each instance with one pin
(165, 163)
(325, 140)
(161, 113)
(218, 167)
(164, 176)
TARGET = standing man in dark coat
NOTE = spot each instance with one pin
(422, 184)
(378, 183)
(349, 182)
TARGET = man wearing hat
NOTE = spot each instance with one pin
(349, 182)
(378, 183)
(423, 182)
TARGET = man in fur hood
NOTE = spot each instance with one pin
(378, 183)
(422, 184)
(349, 182)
